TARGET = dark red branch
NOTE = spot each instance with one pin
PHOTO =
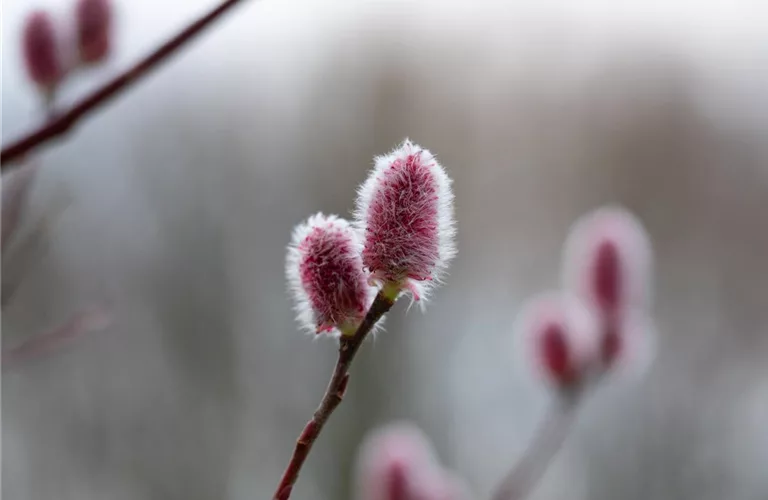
(348, 347)
(63, 121)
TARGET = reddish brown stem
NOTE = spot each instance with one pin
(549, 438)
(62, 122)
(348, 347)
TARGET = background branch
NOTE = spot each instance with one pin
(549, 438)
(62, 122)
(15, 191)
(87, 320)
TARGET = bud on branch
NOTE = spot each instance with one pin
(94, 30)
(325, 271)
(404, 218)
(405, 215)
(41, 51)
(397, 462)
(577, 336)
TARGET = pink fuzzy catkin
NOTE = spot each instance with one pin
(397, 463)
(561, 338)
(405, 215)
(607, 263)
(94, 30)
(325, 271)
(42, 56)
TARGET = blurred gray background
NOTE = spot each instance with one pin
(181, 196)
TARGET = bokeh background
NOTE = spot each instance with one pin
(173, 206)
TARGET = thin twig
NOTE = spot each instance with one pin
(63, 121)
(85, 321)
(549, 438)
(21, 251)
(348, 347)
(16, 190)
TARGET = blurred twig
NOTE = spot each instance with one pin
(22, 250)
(15, 189)
(63, 121)
(549, 438)
(82, 322)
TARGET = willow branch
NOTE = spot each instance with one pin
(549, 438)
(62, 122)
(348, 347)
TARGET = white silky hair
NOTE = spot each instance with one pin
(305, 315)
(446, 225)
(634, 247)
(185, 190)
